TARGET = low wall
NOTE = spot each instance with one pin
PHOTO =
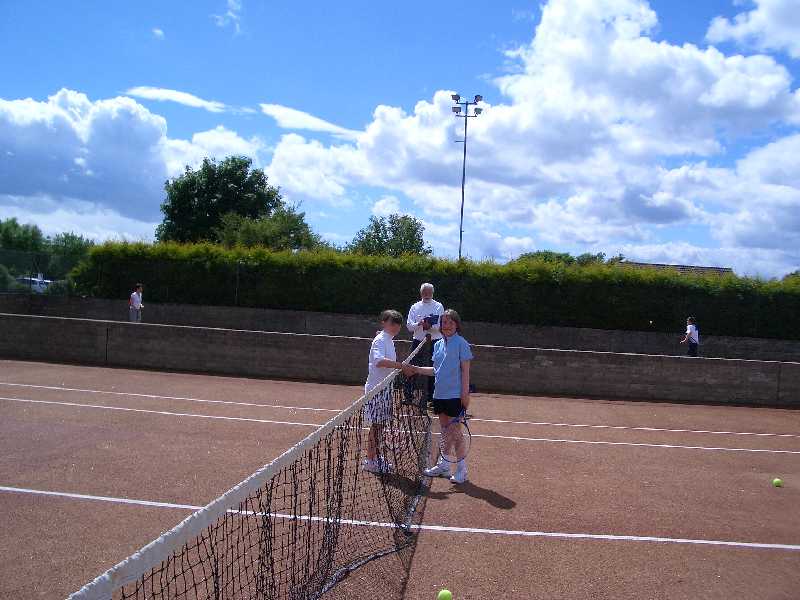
(289, 321)
(334, 359)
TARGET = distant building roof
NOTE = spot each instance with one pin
(692, 269)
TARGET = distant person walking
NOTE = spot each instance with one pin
(135, 305)
(692, 336)
(424, 323)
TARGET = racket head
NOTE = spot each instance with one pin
(455, 441)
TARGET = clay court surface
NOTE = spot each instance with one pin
(562, 490)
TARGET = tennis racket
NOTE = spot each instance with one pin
(455, 440)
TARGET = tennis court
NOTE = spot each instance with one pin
(568, 498)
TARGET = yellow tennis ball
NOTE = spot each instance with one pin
(777, 482)
(444, 595)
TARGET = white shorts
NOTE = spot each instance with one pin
(379, 408)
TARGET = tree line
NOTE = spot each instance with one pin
(233, 204)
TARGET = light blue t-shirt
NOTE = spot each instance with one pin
(447, 356)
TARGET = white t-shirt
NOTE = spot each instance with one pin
(419, 311)
(136, 300)
(382, 348)
(694, 335)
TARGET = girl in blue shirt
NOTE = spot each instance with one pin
(451, 360)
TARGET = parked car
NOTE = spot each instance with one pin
(37, 284)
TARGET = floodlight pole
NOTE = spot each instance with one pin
(466, 116)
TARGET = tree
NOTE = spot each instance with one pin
(66, 250)
(70, 244)
(14, 236)
(394, 235)
(284, 229)
(548, 256)
(197, 200)
(590, 259)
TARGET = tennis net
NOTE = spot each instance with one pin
(299, 525)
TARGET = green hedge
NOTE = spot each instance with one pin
(599, 296)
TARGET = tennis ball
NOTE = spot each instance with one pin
(444, 595)
(777, 482)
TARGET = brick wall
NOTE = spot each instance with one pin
(288, 321)
(335, 359)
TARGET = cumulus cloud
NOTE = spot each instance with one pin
(756, 262)
(388, 205)
(771, 25)
(167, 95)
(108, 157)
(604, 136)
(56, 215)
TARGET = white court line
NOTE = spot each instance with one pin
(626, 427)
(440, 528)
(162, 412)
(474, 419)
(154, 396)
(532, 439)
(475, 435)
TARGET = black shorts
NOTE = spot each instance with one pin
(692, 349)
(449, 406)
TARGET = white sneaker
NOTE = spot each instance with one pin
(460, 476)
(440, 469)
(371, 466)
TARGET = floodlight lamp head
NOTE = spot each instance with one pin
(478, 98)
(456, 109)
(478, 111)
(455, 97)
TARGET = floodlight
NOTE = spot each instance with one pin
(455, 97)
(456, 109)
(478, 111)
(478, 98)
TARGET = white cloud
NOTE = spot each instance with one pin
(574, 155)
(756, 262)
(231, 16)
(290, 118)
(94, 221)
(111, 154)
(166, 95)
(158, 33)
(308, 170)
(771, 25)
(385, 206)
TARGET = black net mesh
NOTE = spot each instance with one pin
(300, 531)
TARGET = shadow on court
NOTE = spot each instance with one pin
(496, 499)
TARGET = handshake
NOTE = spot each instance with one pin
(409, 370)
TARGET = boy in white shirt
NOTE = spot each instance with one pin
(423, 321)
(135, 305)
(692, 336)
(378, 409)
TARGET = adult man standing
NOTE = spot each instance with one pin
(135, 304)
(423, 322)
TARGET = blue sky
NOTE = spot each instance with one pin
(664, 130)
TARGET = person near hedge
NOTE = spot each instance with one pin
(450, 372)
(692, 336)
(135, 305)
(377, 410)
(423, 323)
